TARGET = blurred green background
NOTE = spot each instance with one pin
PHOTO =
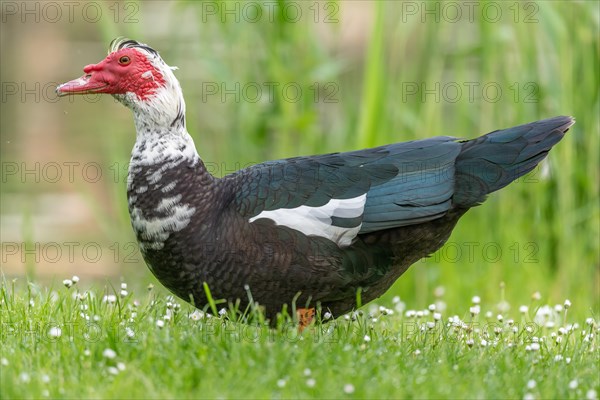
(267, 80)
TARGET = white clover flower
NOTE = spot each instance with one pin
(24, 377)
(281, 383)
(4, 362)
(55, 332)
(573, 384)
(536, 296)
(123, 286)
(437, 316)
(489, 314)
(430, 325)
(572, 327)
(75, 279)
(568, 360)
(410, 313)
(499, 317)
(348, 388)
(417, 352)
(109, 353)
(307, 372)
(476, 300)
(113, 370)
(470, 342)
(367, 338)
(109, 298)
(528, 396)
(567, 304)
(475, 310)
(515, 329)
(558, 357)
(123, 293)
(431, 307)
(45, 378)
(589, 321)
(484, 342)
(87, 352)
(531, 384)
(121, 366)
(160, 323)
(591, 395)
(523, 309)
(385, 311)
(562, 331)
(129, 332)
(327, 315)
(396, 300)
(196, 315)
(535, 346)
(558, 308)
(68, 283)
(311, 382)
(420, 314)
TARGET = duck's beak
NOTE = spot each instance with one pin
(86, 84)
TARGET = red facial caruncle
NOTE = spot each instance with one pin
(123, 71)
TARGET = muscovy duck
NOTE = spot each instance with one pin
(310, 230)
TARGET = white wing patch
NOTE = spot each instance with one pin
(318, 220)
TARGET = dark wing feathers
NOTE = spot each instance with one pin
(406, 183)
(420, 192)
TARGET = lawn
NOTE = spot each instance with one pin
(509, 308)
(67, 342)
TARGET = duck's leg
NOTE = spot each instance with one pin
(305, 317)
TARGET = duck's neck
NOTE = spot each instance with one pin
(161, 135)
(155, 145)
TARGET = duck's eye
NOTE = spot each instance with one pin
(124, 60)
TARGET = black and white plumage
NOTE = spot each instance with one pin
(314, 229)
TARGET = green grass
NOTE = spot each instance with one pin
(72, 343)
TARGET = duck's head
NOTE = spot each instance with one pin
(136, 75)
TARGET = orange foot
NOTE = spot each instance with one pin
(305, 317)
